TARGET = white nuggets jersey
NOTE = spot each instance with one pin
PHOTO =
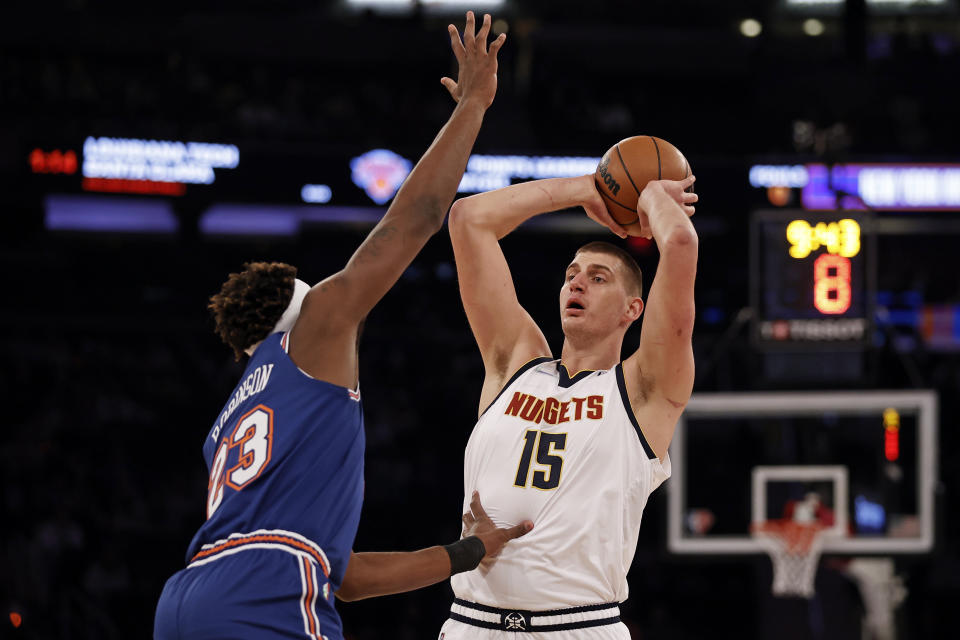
(569, 455)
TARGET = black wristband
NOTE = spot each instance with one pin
(466, 554)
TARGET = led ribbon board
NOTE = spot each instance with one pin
(865, 186)
(152, 166)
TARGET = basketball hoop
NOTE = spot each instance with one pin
(794, 549)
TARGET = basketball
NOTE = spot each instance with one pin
(628, 166)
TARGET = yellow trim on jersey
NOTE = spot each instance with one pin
(578, 372)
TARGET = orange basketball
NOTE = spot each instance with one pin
(628, 166)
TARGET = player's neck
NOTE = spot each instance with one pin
(590, 354)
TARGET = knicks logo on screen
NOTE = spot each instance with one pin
(380, 173)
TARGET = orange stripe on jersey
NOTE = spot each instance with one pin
(308, 599)
(284, 341)
(273, 538)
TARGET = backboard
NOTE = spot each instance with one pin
(868, 459)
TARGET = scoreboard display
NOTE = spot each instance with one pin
(812, 278)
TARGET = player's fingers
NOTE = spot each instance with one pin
(644, 231)
(688, 181)
(614, 226)
(521, 529)
(497, 43)
(687, 209)
(690, 198)
(451, 86)
(469, 31)
(455, 43)
(468, 520)
(476, 507)
(482, 34)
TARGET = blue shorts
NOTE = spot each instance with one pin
(262, 590)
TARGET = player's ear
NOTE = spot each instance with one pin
(634, 309)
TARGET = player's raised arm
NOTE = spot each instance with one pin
(506, 334)
(333, 309)
(663, 364)
(383, 573)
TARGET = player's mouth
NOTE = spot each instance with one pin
(574, 307)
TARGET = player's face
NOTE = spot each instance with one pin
(594, 298)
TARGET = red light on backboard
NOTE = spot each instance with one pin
(891, 434)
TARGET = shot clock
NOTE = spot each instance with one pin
(812, 278)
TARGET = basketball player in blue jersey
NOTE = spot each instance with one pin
(285, 454)
(575, 443)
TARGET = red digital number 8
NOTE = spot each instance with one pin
(824, 283)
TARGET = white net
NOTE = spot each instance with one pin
(794, 549)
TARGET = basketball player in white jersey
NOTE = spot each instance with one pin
(578, 443)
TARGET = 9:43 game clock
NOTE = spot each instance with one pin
(812, 278)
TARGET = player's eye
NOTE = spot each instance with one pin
(598, 279)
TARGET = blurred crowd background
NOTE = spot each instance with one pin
(111, 372)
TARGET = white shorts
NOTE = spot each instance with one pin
(508, 623)
(454, 630)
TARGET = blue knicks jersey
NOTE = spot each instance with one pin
(286, 453)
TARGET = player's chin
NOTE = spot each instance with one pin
(573, 318)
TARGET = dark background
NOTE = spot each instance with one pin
(110, 370)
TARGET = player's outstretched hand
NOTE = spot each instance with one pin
(477, 76)
(476, 522)
(593, 204)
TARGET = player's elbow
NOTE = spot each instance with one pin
(459, 217)
(464, 216)
(433, 211)
(352, 590)
(682, 237)
(419, 214)
(680, 247)
(354, 584)
(346, 594)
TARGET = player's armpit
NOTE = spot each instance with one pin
(495, 384)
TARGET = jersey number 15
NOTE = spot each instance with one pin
(545, 444)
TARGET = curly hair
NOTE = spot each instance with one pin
(251, 302)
